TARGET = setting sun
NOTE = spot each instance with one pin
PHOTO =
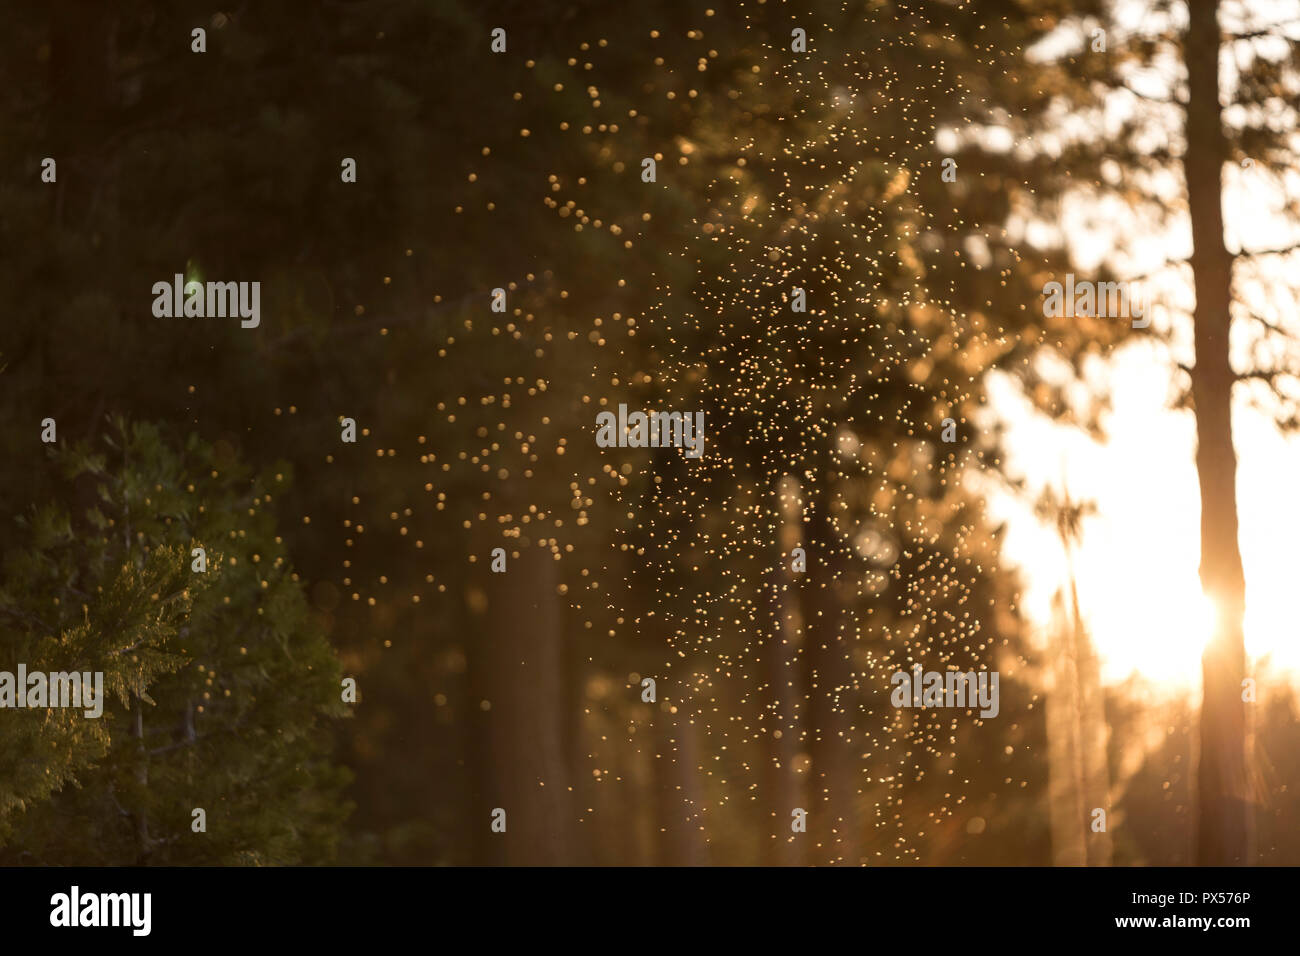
(1137, 561)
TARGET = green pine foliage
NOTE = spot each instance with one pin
(219, 684)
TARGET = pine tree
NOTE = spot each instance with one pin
(160, 565)
(1144, 117)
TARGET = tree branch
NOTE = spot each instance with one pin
(1284, 250)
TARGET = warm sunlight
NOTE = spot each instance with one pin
(1139, 588)
(772, 433)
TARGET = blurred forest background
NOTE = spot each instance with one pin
(816, 167)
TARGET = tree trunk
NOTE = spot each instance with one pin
(1078, 772)
(829, 632)
(521, 677)
(781, 783)
(1067, 813)
(83, 106)
(85, 109)
(680, 840)
(1224, 819)
(1093, 735)
(144, 843)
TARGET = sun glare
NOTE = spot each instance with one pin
(1136, 563)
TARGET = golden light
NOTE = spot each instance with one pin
(1136, 565)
